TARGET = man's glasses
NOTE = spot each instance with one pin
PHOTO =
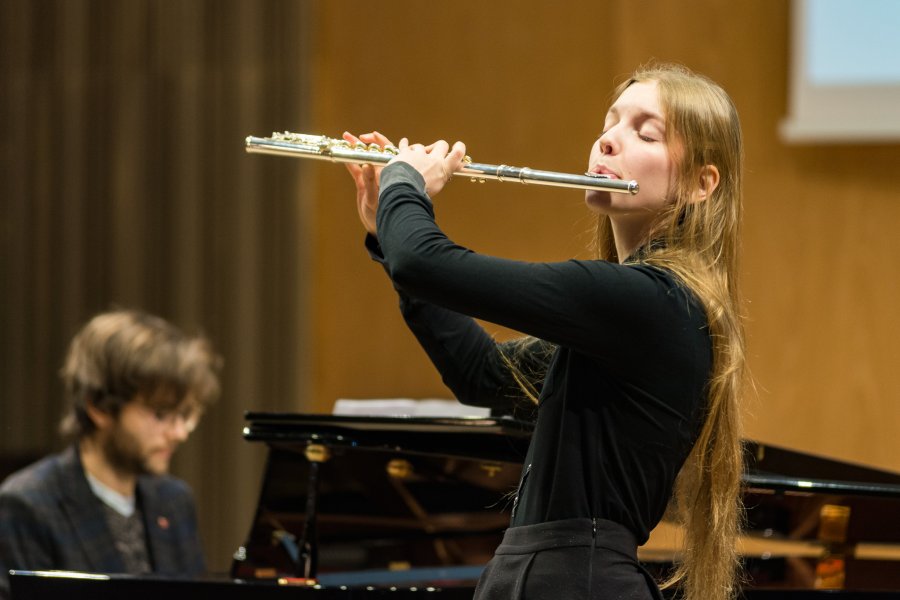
(187, 416)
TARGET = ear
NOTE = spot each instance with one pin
(102, 419)
(707, 184)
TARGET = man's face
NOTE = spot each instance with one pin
(142, 440)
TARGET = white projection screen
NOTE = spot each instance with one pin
(845, 72)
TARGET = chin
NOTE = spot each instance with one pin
(597, 201)
(156, 467)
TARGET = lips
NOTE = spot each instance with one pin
(603, 170)
(164, 452)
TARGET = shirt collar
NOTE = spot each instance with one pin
(124, 505)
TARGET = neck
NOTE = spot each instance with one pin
(629, 235)
(95, 462)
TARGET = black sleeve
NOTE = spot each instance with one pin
(472, 364)
(23, 539)
(610, 312)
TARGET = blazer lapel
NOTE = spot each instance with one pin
(158, 524)
(86, 516)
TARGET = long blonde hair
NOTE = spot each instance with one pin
(700, 245)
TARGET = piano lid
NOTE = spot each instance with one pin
(412, 499)
(493, 438)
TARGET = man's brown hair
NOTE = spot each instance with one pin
(120, 355)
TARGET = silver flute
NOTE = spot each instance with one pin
(302, 145)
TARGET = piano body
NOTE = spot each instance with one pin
(411, 507)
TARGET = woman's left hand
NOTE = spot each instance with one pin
(436, 162)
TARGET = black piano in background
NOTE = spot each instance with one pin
(408, 507)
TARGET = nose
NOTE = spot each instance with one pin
(607, 142)
(179, 429)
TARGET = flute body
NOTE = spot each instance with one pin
(301, 145)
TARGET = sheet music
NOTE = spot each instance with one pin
(407, 407)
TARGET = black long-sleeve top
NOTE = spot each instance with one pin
(625, 389)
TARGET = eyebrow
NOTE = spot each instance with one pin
(644, 114)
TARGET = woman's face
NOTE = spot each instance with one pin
(633, 146)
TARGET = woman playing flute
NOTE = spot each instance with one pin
(633, 362)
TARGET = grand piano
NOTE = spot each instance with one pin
(355, 507)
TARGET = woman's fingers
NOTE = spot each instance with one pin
(353, 168)
(380, 139)
(457, 155)
(440, 148)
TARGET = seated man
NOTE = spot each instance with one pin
(136, 388)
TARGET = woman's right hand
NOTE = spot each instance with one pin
(366, 178)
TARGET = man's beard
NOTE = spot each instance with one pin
(123, 453)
